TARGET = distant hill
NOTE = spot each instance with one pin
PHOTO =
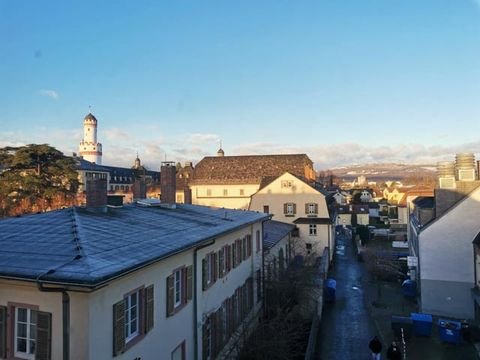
(383, 172)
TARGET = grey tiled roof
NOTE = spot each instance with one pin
(274, 231)
(75, 246)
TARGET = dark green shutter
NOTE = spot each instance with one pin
(119, 327)
(149, 308)
(189, 285)
(214, 259)
(306, 208)
(3, 332)
(170, 296)
(44, 336)
(204, 273)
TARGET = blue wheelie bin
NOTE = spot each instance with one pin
(329, 290)
(422, 324)
(449, 331)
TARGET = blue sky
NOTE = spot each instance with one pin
(344, 81)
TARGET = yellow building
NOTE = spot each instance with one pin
(230, 181)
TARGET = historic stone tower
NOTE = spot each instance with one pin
(90, 149)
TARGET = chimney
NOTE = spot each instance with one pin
(187, 195)
(96, 196)
(168, 172)
(139, 189)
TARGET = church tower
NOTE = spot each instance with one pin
(90, 149)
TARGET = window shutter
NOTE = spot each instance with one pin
(221, 263)
(285, 210)
(118, 327)
(149, 308)
(294, 208)
(170, 295)
(228, 258)
(249, 245)
(214, 266)
(234, 255)
(239, 251)
(204, 273)
(44, 336)
(189, 283)
(205, 339)
(306, 208)
(218, 330)
(3, 332)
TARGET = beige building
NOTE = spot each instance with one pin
(142, 281)
(291, 199)
(230, 181)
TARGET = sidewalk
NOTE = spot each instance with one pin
(384, 299)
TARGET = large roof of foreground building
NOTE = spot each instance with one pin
(77, 247)
(250, 168)
(274, 231)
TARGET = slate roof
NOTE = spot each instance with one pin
(274, 231)
(77, 247)
(425, 202)
(248, 168)
(83, 164)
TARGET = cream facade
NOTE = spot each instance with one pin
(231, 196)
(291, 200)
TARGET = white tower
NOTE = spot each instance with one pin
(90, 149)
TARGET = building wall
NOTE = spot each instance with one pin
(214, 195)
(51, 302)
(446, 257)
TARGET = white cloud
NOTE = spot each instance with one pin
(49, 93)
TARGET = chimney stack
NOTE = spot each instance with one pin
(168, 187)
(96, 196)
(139, 189)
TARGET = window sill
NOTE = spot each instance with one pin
(289, 215)
(133, 341)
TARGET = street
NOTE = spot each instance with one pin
(346, 327)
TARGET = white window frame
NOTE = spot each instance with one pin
(129, 334)
(311, 209)
(178, 288)
(21, 354)
(312, 229)
(290, 209)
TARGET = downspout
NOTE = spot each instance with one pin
(195, 301)
(65, 316)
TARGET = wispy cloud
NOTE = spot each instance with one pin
(52, 94)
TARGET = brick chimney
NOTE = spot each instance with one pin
(168, 174)
(96, 195)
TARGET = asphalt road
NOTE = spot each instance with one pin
(346, 326)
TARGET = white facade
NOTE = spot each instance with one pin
(90, 149)
(445, 260)
(289, 199)
(230, 196)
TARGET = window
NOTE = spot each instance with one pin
(132, 318)
(242, 192)
(286, 184)
(225, 192)
(311, 209)
(209, 270)
(289, 209)
(179, 289)
(312, 229)
(30, 332)
(25, 333)
(209, 192)
(179, 352)
(266, 209)
(309, 248)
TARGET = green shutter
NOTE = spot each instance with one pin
(149, 308)
(306, 208)
(214, 260)
(119, 327)
(204, 273)
(44, 336)
(170, 296)
(189, 284)
(3, 332)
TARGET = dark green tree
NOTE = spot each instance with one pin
(35, 178)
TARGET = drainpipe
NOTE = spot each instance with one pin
(195, 301)
(65, 316)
